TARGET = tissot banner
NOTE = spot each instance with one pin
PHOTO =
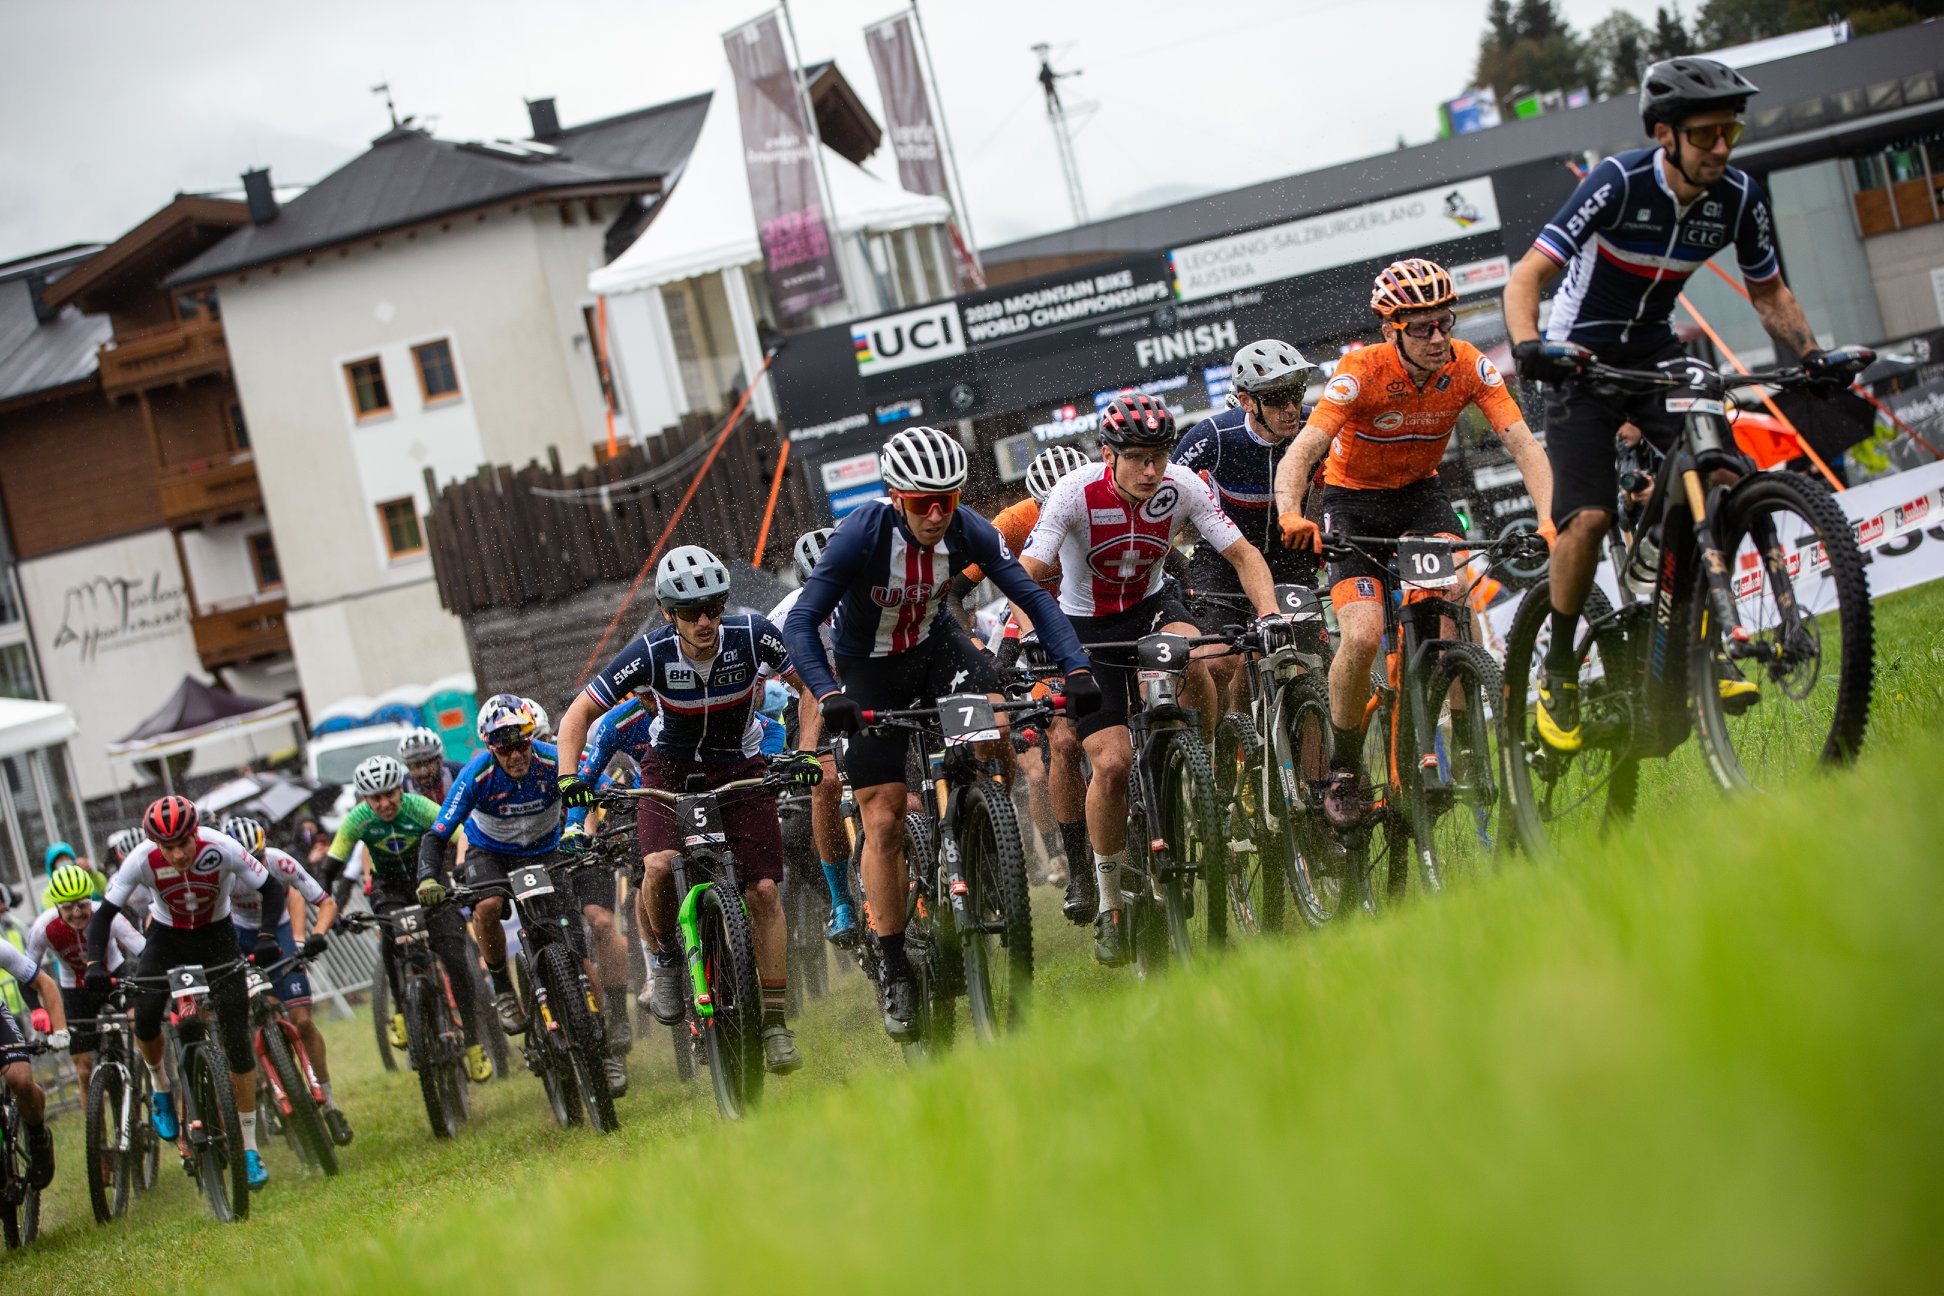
(908, 115)
(799, 260)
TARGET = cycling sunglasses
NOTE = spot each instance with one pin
(1704, 137)
(713, 609)
(1424, 328)
(1284, 399)
(508, 747)
(928, 503)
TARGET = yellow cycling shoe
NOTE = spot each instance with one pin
(1559, 726)
(1737, 694)
(478, 1065)
(398, 1030)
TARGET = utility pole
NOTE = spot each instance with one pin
(1062, 130)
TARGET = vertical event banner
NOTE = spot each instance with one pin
(799, 260)
(907, 108)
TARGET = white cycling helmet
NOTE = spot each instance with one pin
(1051, 464)
(245, 831)
(690, 574)
(542, 723)
(922, 459)
(123, 842)
(1271, 363)
(809, 548)
(419, 745)
(376, 775)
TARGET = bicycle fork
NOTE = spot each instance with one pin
(698, 969)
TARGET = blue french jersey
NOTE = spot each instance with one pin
(505, 815)
(704, 711)
(888, 591)
(1629, 246)
(621, 730)
(1242, 468)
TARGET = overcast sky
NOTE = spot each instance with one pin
(109, 107)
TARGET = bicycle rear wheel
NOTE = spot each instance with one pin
(1456, 795)
(1255, 878)
(381, 1011)
(421, 1038)
(733, 1034)
(572, 1003)
(998, 949)
(220, 1164)
(1381, 851)
(306, 1120)
(1811, 666)
(937, 966)
(1292, 826)
(107, 1157)
(19, 1204)
(1195, 898)
(145, 1149)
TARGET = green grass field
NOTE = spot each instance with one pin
(1701, 1056)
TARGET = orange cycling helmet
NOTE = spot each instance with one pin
(1411, 285)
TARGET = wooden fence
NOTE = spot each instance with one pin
(512, 537)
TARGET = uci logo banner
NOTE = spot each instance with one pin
(912, 337)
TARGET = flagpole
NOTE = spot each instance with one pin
(945, 138)
(809, 112)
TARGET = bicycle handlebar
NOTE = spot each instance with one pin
(915, 716)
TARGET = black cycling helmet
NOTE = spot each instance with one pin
(1136, 420)
(1675, 89)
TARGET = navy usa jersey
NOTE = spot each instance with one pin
(1242, 468)
(1628, 247)
(704, 711)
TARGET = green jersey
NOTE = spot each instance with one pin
(393, 846)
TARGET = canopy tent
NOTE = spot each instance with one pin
(269, 797)
(707, 223)
(33, 736)
(196, 715)
(29, 726)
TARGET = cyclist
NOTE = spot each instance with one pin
(1639, 224)
(60, 853)
(1106, 531)
(16, 1071)
(293, 988)
(422, 752)
(703, 674)
(388, 822)
(62, 932)
(885, 575)
(1386, 416)
(184, 867)
(1237, 451)
(121, 843)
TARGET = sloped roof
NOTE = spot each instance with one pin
(186, 225)
(36, 356)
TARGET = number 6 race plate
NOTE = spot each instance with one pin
(967, 718)
(1424, 566)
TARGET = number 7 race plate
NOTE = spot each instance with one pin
(967, 718)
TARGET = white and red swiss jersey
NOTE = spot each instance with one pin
(1108, 549)
(246, 902)
(50, 935)
(193, 897)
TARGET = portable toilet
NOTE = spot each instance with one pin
(450, 706)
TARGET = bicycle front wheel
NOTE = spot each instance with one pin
(1194, 895)
(1292, 825)
(220, 1164)
(733, 1034)
(1791, 693)
(572, 1004)
(1457, 790)
(306, 1120)
(543, 1058)
(1255, 879)
(107, 1154)
(998, 945)
(421, 1038)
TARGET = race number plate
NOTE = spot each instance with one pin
(1159, 656)
(1299, 602)
(1688, 403)
(529, 881)
(1424, 566)
(254, 983)
(701, 821)
(189, 979)
(967, 718)
(408, 924)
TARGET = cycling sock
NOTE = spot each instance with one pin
(1107, 874)
(896, 966)
(1560, 657)
(1349, 747)
(325, 1085)
(1073, 839)
(837, 878)
(774, 995)
(660, 948)
(502, 983)
(158, 1080)
(247, 1121)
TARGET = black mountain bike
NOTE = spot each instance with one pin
(806, 903)
(614, 842)
(123, 1152)
(20, 1201)
(290, 1101)
(435, 1036)
(1722, 586)
(969, 916)
(208, 1133)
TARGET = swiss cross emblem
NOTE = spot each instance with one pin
(1127, 563)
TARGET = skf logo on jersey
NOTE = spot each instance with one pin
(889, 596)
(623, 675)
(1342, 389)
(1488, 373)
(772, 643)
(912, 337)
(1388, 422)
(1576, 223)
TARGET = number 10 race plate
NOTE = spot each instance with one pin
(1424, 566)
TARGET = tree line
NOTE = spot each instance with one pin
(1529, 45)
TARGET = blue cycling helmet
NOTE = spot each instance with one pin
(56, 852)
(776, 696)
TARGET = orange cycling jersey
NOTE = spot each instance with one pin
(1014, 523)
(1390, 432)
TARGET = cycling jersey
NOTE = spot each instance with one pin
(622, 730)
(193, 897)
(502, 814)
(1389, 431)
(1015, 524)
(50, 934)
(18, 966)
(246, 906)
(1629, 247)
(781, 613)
(1110, 550)
(392, 847)
(888, 591)
(1242, 468)
(704, 710)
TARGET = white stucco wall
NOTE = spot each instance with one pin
(371, 644)
(218, 558)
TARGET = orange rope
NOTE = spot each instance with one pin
(607, 374)
(735, 417)
(769, 510)
(1780, 417)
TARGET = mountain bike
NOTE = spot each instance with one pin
(435, 1035)
(969, 919)
(208, 1134)
(20, 1201)
(614, 842)
(805, 902)
(123, 1153)
(723, 1002)
(290, 1101)
(1728, 578)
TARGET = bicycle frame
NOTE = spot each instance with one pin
(268, 1012)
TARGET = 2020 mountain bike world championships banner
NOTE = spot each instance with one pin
(798, 261)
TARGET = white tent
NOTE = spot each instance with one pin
(28, 726)
(707, 223)
(37, 733)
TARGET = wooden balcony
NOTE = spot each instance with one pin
(162, 356)
(240, 634)
(209, 489)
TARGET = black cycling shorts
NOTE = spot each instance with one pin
(1115, 670)
(208, 946)
(81, 1005)
(946, 662)
(1417, 509)
(1211, 574)
(1580, 430)
(13, 1040)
